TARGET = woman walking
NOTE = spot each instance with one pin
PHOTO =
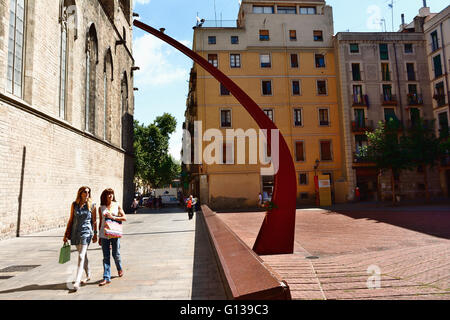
(81, 229)
(110, 209)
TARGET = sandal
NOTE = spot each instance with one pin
(120, 273)
(104, 282)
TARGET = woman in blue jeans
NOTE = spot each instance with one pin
(110, 209)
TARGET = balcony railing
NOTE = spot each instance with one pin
(359, 158)
(427, 124)
(220, 24)
(362, 125)
(388, 99)
(414, 99)
(360, 100)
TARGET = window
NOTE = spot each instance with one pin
(287, 10)
(296, 88)
(299, 151)
(321, 87)
(410, 72)
(414, 115)
(361, 141)
(307, 10)
(320, 61)
(303, 179)
(235, 60)
(265, 60)
(358, 98)
(213, 59)
(263, 9)
(387, 92)
(224, 91)
(437, 66)
(293, 35)
(269, 113)
(385, 73)
(15, 47)
(124, 108)
(323, 117)
(108, 72)
(225, 118)
(264, 35)
(440, 94)
(212, 40)
(298, 117)
(389, 114)
(318, 35)
(325, 151)
(384, 52)
(434, 41)
(409, 48)
(356, 72)
(354, 48)
(443, 124)
(266, 87)
(234, 40)
(90, 92)
(63, 66)
(294, 60)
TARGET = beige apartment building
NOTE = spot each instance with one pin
(382, 76)
(437, 34)
(66, 108)
(280, 53)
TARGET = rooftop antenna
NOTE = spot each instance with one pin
(215, 12)
(391, 5)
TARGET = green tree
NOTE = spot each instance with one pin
(386, 150)
(153, 164)
(422, 147)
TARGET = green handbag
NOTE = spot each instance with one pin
(64, 254)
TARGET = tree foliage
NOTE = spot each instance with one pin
(153, 164)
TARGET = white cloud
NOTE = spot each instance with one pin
(374, 20)
(140, 2)
(155, 59)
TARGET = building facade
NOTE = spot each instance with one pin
(66, 108)
(382, 76)
(436, 28)
(281, 54)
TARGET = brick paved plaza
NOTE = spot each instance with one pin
(168, 257)
(410, 246)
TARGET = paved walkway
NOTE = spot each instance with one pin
(337, 253)
(165, 257)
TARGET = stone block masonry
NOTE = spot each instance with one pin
(45, 156)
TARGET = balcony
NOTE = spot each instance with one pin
(359, 158)
(360, 100)
(427, 124)
(388, 99)
(440, 99)
(414, 99)
(361, 126)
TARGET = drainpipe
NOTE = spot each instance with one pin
(399, 89)
(445, 65)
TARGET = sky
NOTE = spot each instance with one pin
(163, 78)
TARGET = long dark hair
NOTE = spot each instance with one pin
(104, 196)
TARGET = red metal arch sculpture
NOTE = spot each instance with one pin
(277, 231)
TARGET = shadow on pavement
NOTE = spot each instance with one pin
(206, 280)
(164, 210)
(424, 220)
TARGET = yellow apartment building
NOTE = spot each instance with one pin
(281, 54)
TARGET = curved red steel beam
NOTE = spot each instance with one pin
(277, 231)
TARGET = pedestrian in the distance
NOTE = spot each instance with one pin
(134, 205)
(110, 209)
(190, 206)
(260, 200)
(81, 229)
